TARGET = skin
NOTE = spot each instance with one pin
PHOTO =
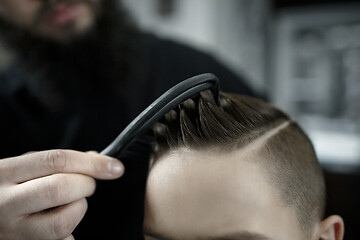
(43, 194)
(50, 19)
(208, 194)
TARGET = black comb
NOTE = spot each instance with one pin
(182, 91)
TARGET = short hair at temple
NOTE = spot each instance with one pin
(234, 122)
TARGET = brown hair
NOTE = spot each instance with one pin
(232, 122)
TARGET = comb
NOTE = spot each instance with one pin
(182, 91)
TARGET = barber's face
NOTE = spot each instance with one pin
(211, 195)
(55, 19)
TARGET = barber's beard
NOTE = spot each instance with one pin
(92, 64)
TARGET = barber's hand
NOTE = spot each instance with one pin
(42, 194)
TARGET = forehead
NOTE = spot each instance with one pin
(191, 193)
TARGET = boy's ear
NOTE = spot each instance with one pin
(332, 228)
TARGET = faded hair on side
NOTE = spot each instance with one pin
(234, 121)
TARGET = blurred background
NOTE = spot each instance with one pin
(303, 54)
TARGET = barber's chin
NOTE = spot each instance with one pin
(65, 34)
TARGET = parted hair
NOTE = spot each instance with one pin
(232, 122)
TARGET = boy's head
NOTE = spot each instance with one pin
(234, 168)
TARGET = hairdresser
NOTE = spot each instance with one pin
(81, 72)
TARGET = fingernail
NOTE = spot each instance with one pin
(115, 167)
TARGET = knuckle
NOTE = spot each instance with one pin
(57, 188)
(56, 159)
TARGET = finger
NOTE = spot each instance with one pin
(39, 164)
(71, 237)
(51, 191)
(58, 223)
(92, 151)
(28, 153)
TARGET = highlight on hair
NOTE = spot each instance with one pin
(233, 122)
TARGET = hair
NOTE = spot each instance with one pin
(233, 122)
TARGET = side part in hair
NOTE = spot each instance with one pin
(233, 123)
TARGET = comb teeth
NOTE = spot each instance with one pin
(129, 141)
(171, 116)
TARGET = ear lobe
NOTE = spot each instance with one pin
(332, 228)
